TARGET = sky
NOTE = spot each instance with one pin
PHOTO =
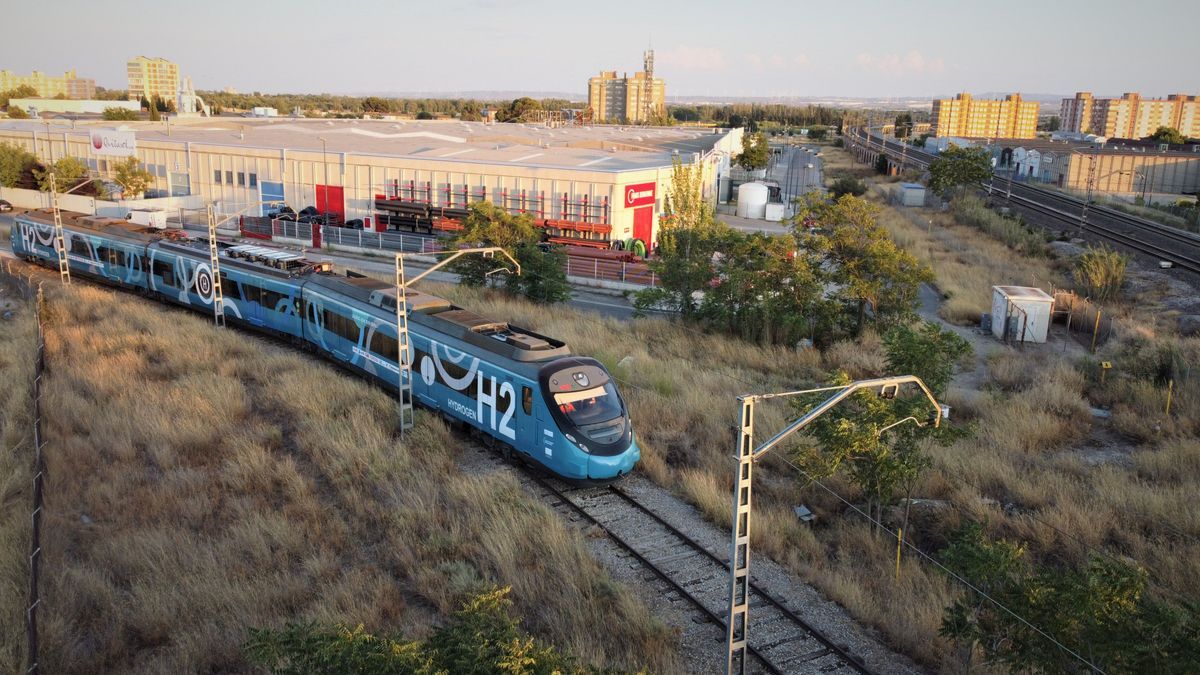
(767, 48)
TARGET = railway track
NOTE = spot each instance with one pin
(1180, 248)
(682, 568)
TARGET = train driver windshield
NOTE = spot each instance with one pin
(590, 406)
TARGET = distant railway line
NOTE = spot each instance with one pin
(1162, 242)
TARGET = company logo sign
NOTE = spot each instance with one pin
(114, 143)
(639, 195)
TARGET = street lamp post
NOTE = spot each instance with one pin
(738, 620)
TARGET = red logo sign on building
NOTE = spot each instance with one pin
(639, 195)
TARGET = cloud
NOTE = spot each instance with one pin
(774, 61)
(912, 63)
(693, 58)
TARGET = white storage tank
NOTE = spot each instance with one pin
(1021, 311)
(752, 200)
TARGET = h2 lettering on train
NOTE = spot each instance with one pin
(488, 396)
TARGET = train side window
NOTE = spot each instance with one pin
(229, 287)
(80, 247)
(385, 346)
(341, 326)
(253, 293)
(271, 299)
(117, 257)
(164, 270)
(527, 400)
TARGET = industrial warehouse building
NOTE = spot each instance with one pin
(597, 183)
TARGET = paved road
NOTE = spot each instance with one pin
(606, 303)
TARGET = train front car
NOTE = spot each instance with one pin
(594, 429)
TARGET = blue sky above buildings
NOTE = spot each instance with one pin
(769, 48)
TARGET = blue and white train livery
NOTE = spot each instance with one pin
(518, 387)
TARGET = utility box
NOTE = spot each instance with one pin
(910, 194)
(1021, 313)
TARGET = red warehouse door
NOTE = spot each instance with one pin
(643, 224)
(331, 199)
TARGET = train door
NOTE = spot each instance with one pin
(528, 428)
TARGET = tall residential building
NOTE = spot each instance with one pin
(152, 77)
(69, 85)
(636, 99)
(1130, 116)
(967, 117)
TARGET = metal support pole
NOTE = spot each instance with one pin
(218, 296)
(739, 545)
(738, 621)
(402, 353)
(60, 242)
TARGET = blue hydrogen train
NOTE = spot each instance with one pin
(518, 387)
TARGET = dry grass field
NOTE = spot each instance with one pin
(203, 482)
(18, 347)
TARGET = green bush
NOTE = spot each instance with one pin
(1016, 235)
(1101, 272)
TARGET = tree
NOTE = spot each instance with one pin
(68, 172)
(21, 91)
(424, 115)
(882, 165)
(904, 125)
(868, 269)
(543, 274)
(687, 238)
(847, 186)
(929, 352)
(115, 114)
(852, 437)
(755, 152)
(145, 103)
(16, 167)
(1102, 611)
(17, 113)
(1167, 135)
(957, 166)
(132, 178)
(762, 290)
(375, 104)
(519, 110)
(155, 115)
(480, 638)
(1052, 124)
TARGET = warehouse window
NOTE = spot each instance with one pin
(229, 177)
(253, 180)
(217, 176)
(242, 179)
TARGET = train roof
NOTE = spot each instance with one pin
(114, 227)
(498, 337)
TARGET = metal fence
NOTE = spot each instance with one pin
(381, 241)
(31, 290)
(611, 270)
(1084, 319)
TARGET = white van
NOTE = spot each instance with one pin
(156, 218)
